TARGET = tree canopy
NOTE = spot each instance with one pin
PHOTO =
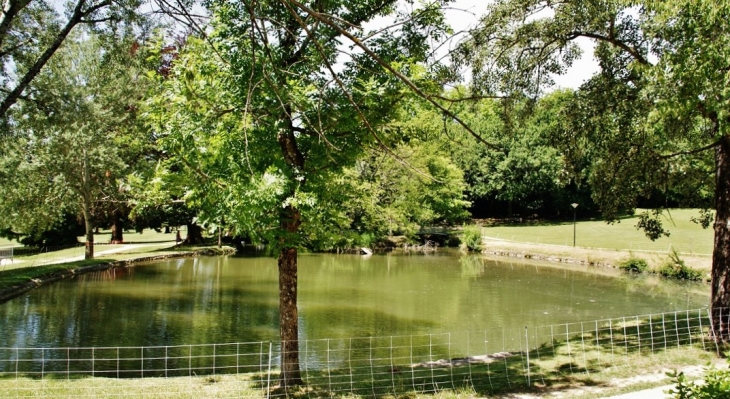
(649, 121)
(77, 140)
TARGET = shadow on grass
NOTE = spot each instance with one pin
(584, 360)
(559, 358)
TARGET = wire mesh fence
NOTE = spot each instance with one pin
(484, 362)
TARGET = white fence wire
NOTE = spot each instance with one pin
(486, 361)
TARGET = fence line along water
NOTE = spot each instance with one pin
(491, 361)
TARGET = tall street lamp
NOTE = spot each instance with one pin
(574, 205)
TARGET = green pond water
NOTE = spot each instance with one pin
(235, 299)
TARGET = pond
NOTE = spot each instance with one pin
(235, 299)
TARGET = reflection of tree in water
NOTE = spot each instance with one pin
(472, 265)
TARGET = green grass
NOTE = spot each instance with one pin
(30, 267)
(686, 237)
(587, 363)
(131, 237)
(135, 245)
(19, 275)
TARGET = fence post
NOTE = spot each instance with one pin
(570, 353)
(349, 366)
(598, 347)
(638, 332)
(651, 332)
(689, 328)
(676, 328)
(268, 374)
(468, 359)
(664, 332)
(392, 366)
(712, 329)
(430, 360)
(610, 336)
(486, 352)
(506, 369)
(583, 344)
(329, 375)
(527, 353)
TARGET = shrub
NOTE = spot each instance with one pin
(366, 240)
(472, 237)
(716, 385)
(674, 267)
(633, 265)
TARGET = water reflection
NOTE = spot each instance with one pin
(234, 299)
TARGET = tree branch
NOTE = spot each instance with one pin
(392, 70)
(691, 152)
(618, 43)
(75, 19)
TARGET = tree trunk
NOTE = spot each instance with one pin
(117, 228)
(220, 234)
(288, 314)
(290, 219)
(89, 251)
(195, 235)
(86, 207)
(721, 251)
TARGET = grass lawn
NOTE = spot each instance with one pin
(599, 242)
(685, 236)
(135, 245)
(587, 365)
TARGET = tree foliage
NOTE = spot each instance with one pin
(32, 31)
(261, 114)
(649, 119)
(77, 140)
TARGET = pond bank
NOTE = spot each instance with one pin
(34, 277)
(585, 256)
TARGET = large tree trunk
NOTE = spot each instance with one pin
(288, 318)
(89, 251)
(288, 314)
(721, 252)
(195, 235)
(86, 207)
(117, 228)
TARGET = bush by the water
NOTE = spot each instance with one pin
(716, 385)
(674, 267)
(633, 265)
(472, 237)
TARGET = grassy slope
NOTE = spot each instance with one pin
(23, 268)
(599, 241)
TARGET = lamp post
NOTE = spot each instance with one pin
(574, 205)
